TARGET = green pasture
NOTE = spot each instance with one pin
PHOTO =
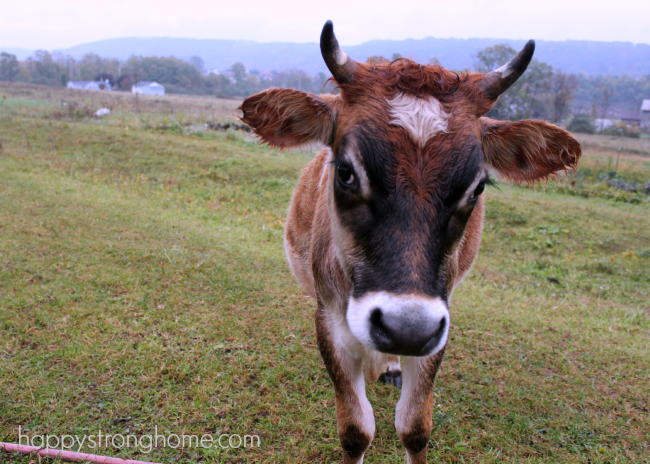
(143, 284)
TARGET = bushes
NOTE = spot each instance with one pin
(581, 123)
(624, 130)
(169, 71)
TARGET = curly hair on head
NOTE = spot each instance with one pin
(404, 76)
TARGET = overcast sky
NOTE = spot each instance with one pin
(53, 24)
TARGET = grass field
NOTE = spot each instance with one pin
(143, 284)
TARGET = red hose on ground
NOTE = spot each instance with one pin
(67, 455)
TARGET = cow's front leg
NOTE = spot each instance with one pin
(413, 418)
(353, 411)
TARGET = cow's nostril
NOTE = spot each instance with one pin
(378, 329)
(441, 327)
(375, 316)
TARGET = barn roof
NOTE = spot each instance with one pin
(631, 115)
(645, 106)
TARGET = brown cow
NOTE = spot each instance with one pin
(386, 220)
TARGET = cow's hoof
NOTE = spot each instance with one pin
(392, 378)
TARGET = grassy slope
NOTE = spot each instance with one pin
(142, 283)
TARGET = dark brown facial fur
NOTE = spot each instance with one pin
(409, 221)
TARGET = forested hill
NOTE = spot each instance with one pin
(588, 57)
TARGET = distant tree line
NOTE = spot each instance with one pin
(541, 93)
(55, 69)
(178, 76)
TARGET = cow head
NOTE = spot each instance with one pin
(410, 155)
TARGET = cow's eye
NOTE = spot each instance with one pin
(479, 189)
(345, 174)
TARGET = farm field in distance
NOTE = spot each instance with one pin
(143, 284)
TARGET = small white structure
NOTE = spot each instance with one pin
(602, 124)
(148, 88)
(645, 114)
(89, 85)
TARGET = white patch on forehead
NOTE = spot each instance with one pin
(422, 117)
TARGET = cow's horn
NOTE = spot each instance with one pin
(498, 81)
(339, 63)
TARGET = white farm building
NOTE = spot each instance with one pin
(645, 114)
(89, 85)
(148, 88)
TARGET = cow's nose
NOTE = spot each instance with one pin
(410, 332)
(401, 324)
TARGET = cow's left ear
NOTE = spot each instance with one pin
(527, 151)
(289, 118)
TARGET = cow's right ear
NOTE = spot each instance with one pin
(527, 150)
(289, 118)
